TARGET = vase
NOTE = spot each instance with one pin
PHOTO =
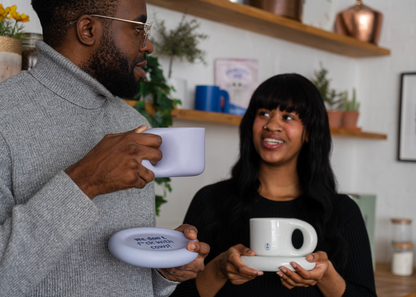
(361, 22)
(287, 8)
(29, 52)
(10, 57)
(180, 92)
(334, 118)
(349, 120)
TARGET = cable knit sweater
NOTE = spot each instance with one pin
(53, 238)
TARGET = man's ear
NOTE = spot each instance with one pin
(88, 30)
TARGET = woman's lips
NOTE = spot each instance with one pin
(272, 141)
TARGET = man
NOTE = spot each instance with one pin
(70, 174)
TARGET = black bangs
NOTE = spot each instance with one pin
(288, 92)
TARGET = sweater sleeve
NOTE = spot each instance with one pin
(358, 274)
(162, 287)
(35, 235)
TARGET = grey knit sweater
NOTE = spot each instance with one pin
(53, 238)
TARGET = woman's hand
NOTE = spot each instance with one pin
(302, 277)
(232, 268)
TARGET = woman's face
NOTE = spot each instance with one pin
(282, 141)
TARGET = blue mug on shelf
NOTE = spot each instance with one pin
(212, 98)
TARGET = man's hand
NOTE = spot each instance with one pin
(115, 163)
(189, 271)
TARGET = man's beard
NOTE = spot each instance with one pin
(113, 70)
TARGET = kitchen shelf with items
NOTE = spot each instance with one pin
(197, 115)
(261, 21)
(217, 117)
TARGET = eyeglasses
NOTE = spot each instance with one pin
(144, 32)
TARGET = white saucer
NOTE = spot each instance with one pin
(268, 263)
(151, 247)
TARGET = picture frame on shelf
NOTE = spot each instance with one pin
(407, 118)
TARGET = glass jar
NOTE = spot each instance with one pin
(402, 259)
(29, 51)
(401, 230)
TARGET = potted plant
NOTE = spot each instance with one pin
(333, 100)
(10, 41)
(179, 43)
(158, 113)
(351, 112)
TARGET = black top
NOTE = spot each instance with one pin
(358, 273)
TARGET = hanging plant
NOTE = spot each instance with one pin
(159, 114)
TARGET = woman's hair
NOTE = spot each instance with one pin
(318, 206)
(55, 16)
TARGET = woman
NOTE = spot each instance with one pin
(283, 171)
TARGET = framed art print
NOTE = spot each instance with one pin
(239, 78)
(407, 118)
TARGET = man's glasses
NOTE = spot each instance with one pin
(144, 32)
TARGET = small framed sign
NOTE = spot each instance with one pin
(407, 118)
(239, 78)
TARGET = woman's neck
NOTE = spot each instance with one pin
(279, 183)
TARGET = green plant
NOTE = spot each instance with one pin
(332, 99)
(181, 42)
(7, 28)
(351, 105)
(154, 85)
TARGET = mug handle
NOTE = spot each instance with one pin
(310, 238)
(158, 169)
(226, 108)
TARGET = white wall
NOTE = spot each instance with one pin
(361, 165)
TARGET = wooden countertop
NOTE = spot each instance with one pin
(389, 285)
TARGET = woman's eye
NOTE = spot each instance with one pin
(264, 114)
(288, 117)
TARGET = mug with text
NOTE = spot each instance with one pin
(212, 98)
(183, 152)
(273, 237)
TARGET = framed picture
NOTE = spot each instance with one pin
(239, 78)
(407, 118)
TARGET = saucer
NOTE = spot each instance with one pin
(269, 263)
(151, 247)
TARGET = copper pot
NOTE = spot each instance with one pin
(288, 8)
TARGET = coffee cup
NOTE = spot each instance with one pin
(273, 237)
(212, 98)
(183, 152)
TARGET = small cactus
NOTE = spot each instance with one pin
(351, 105)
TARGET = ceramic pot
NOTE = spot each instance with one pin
(334, 118)
(10, 57)
(239, 1)
(349, 120)
(287, 8)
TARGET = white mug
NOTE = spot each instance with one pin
(183, 152)
(273, 237)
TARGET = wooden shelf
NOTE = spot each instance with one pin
(260, 21)
(217, 117)
(197, 115)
